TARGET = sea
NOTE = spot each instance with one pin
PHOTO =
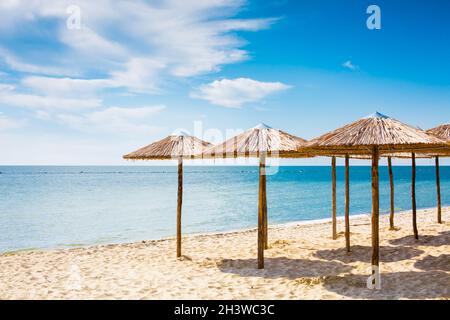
(44, 207)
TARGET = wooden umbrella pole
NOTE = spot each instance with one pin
(375, 209)
(333, 187)
(347, 202)
(261, 201)
(179, 204)
(266, 220)
(438, 189)
(391, 181)
(413, 195)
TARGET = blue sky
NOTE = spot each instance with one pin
(135, 71)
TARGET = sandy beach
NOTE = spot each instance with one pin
(303, 262)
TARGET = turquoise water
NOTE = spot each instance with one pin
(47, 207)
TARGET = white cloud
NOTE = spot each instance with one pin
(349, 65)
(42, 115)
(87, 42)
(7, 123)
(66, 86)
(16, 64)
(245, 24)
(37, 102)
(135, 45)
(6, 87)
(47, 149)
(115, 120)
(181, 38)
(115, 113)
(233, 93)
(140, 75)
(49, 99)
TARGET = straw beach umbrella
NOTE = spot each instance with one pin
(261, 141)
(373, 136)
(177, 147)
(442, 132)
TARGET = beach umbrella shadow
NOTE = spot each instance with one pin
(442, 239)
(283, 268)
(362, 253)
(397, 285)
(432, 263)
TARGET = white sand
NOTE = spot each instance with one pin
(303, 262)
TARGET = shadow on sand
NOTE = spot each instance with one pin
(363, 253)
(435, 284)
(442, 239)
(432, 263)
(283, 268)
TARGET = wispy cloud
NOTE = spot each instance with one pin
(122, 48)
(65, 86)
(6, 88)
(349, 65)
(154, 35)
(16, 64)
(139, 75)
(10, 97)
(88, 42)
(233, 93)
(116, 120)
(8, 123)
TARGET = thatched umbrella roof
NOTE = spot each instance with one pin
(442, 132)
(389, 134)
(171, 147)
(405, 155)
(181, 146)
(257, 140)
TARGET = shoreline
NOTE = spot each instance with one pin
(302, 262)
(215, 233)
(196, 164)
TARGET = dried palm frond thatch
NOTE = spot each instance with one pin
(388, 134)
(258, 140)
(171, 147)
(398, 155)
(442, 132)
